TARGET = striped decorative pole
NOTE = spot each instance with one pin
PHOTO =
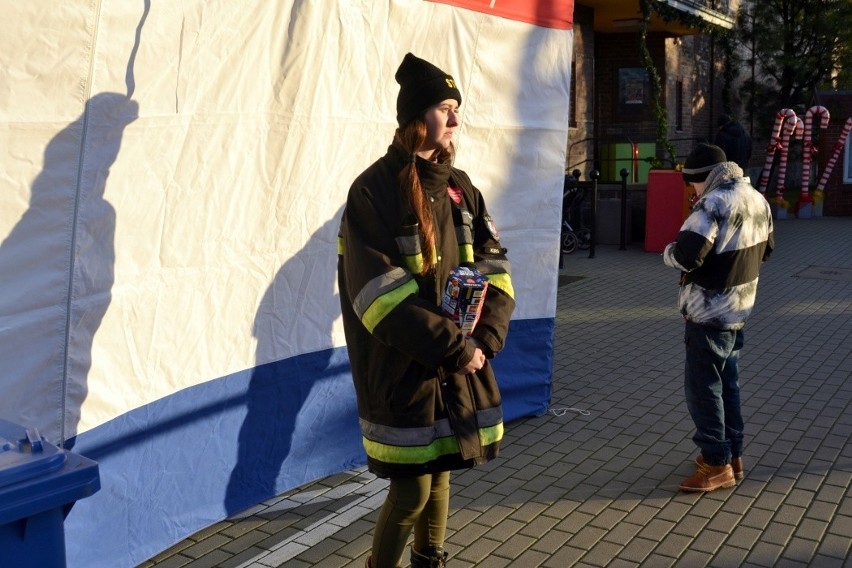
(774, 144)
(793, 128)
(809, 149)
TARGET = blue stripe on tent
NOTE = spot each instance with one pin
(189, 460)
(525, 367)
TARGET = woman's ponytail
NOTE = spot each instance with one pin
(411, 137)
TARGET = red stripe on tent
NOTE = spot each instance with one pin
(557, 14)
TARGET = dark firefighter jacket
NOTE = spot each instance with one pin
(418, 414)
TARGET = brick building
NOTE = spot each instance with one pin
(613, 123)
(613, 113)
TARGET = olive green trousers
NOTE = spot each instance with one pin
(421, 503)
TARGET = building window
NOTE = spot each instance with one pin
(573, 96)
(679, 106)
(847, 161)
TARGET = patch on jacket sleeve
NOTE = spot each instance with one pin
(492, 228)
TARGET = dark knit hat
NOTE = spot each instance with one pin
(421, 85)
(701, 161)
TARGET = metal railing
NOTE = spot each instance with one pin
(572, 181)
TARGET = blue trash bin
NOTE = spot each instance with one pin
(39, 483)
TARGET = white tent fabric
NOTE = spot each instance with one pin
(173, 175)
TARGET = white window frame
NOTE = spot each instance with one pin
(847, 161)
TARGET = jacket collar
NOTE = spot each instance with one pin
(434, 177)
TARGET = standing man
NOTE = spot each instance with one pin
(733, 140)
(719, 251)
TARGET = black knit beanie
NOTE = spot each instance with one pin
(421, 85)
(701, 161)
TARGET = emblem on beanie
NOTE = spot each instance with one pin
(450, 83)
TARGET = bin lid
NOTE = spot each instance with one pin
(25, 454)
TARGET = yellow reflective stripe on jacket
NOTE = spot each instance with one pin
(414, 263)
(383, 304)
(465, 253)
(411, 454)
(503, 282)
(378, 286)
(498, 273)
(339, 245)
(423, 454)
(491, 434)
(409, 248)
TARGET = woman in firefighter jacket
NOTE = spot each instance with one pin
(428, 400)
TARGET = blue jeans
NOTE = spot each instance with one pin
(712, 391)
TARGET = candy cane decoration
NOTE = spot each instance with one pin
(809, 149)
(774, 144)
(838, 147)
(793, 127)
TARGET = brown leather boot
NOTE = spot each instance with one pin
(709, 477)
(736, 465)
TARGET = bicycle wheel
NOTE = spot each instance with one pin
(569, 242)
(584, 238)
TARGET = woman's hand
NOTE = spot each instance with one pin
(476, 363)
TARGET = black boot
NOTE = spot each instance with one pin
(431, 557)
(369, 563)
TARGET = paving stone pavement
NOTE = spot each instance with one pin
(594, 481)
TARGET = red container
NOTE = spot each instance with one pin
(667, 206)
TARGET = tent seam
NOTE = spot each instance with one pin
(74, 219)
